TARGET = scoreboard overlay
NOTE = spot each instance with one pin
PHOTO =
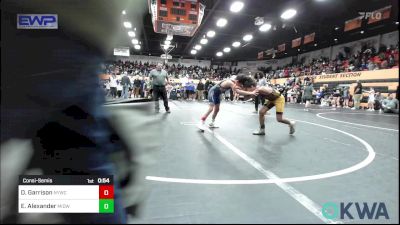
(66, 194)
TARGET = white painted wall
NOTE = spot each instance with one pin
(325, 52)
(390, 38)
(274, 63)
(201, 63)
(155, 59)
(330, 52)
(356, 45)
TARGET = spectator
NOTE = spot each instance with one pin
(308, 93)
(318, 96)
(191, 90)
(346, 97)
(371, 65)
(119, 89)
(207, 86)
(371, 99)
(390, 105)
(107, 88)
(200, 90)
(336, 98)
(113, 85)
(136, 87)
(357, 95)
(378, 101)
(126, 83)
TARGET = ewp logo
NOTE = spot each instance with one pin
(330, 210)
(37, 21)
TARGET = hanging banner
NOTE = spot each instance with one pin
(309, 38)
(352, 24)
(296, 42)
(380, 14)
(281, 48)
(121, 51)
(381, 76)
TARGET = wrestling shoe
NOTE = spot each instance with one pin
(212, 125)
(259, 132)
(201, 126)
(292, 124)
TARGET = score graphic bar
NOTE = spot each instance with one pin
(66, 194)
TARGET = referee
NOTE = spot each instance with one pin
(159, 77)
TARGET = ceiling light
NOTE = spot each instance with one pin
(127, 25)
(123, 12)
(203, 41)
(265, 27)
(167, 42)
(290, 13)
(219, 54)
(247, 37)
(211, 33)
(227, 49)
(135, 41)
(169, 37)
(197, 47)
(222, 22)
(131, 34)
(193, 52)
(236, 44)
(137, 46)
(236, 6)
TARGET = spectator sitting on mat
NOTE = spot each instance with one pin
(390, 105)
(325, 101)
(378, 101)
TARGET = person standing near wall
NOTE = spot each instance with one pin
(206, 88)
(357, 95)
(308, 93)
(113, 86)
(126, 83)
(200, 90)
(346, 97)
(136, 87)
(169, 89)
(371, 99)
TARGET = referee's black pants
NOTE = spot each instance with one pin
(160, 91)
